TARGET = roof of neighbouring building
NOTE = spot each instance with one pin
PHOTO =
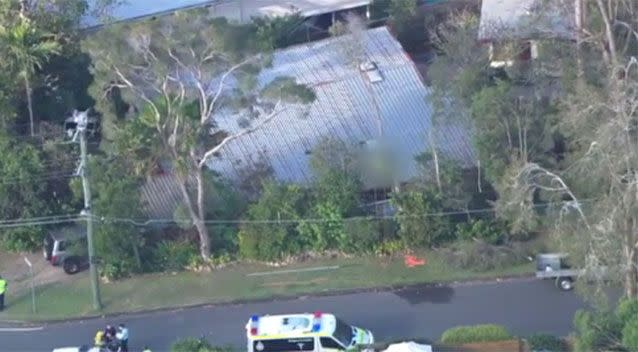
(237, 10)
(526, 19)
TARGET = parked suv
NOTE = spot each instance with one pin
(65, 247)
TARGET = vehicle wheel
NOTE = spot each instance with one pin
(71, 266)
(565, 283)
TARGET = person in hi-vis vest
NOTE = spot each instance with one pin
(3, 289)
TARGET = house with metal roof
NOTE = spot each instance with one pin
(524, 22)
(235, 10)
(381, 100)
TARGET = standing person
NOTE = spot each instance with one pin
(110, 333)
(3, 289)
(122, 336)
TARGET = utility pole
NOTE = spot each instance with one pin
(81, 121)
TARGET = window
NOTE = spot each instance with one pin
(284, 345)
(329, 342)
(343, 333)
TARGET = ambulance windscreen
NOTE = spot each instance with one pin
(344, 333)
(284, 345)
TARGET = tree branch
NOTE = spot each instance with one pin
(276, 111)
(220, 87)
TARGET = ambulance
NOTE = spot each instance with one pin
(316, 332)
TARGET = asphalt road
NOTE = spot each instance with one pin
(525, 306)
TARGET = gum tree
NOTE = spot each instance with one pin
(182, 88)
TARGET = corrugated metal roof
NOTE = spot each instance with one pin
(234, 10)
(345, 110)
(527, 19)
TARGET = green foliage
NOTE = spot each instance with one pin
(174, 255)
(191, 344)
(627, 309)
(476, 333)
(279, 32)
(630, 334)
(362, 234)
(389, 247)
(335, 195)
(480, 256)
(262, 236)
(595, 331)
(419, 226)
(22, 192)
(326, 229)
(115, 196)
(546, 343)
(22, 239)
(489, 231)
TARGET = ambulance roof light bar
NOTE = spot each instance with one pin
(254, 325)
(316, 321)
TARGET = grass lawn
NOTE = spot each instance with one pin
(153, 291)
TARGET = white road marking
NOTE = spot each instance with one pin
(37, 328)
(319, 268)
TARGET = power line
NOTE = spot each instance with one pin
(42, 220)
(141, 222)
(33, 178)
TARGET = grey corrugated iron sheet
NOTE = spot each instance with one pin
(345, 109)
(527, 19)
(161, 196)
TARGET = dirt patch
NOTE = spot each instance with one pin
(15, 270)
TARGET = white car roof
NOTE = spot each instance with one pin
(293, 325)
(79, 349)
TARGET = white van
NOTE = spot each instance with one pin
(316, 332)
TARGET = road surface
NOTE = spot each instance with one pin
(525, 306)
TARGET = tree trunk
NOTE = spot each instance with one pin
(204, 237)
(195, 214)
(631, 275)
(136, 253)
(27, 88)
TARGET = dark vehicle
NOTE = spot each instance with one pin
(65, 248)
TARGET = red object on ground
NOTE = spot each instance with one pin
(412, 261)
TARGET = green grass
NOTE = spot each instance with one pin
(154, 291)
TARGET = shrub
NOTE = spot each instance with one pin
(389, 247)
(415, 228)
(362, 235)
(262, 237)
(117, 270)
(627, 309)
(329, 231)
(630, 334)
(488, 231)
(175, 255)
(22, 239)
(595, 331)
(545, 342)
(190, 344)
(482, 256)
(476, 333)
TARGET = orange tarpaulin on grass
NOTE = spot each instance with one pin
(412, 261)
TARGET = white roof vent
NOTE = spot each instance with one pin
(371, 70)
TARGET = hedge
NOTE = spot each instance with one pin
(476, 333)
(545, 342)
